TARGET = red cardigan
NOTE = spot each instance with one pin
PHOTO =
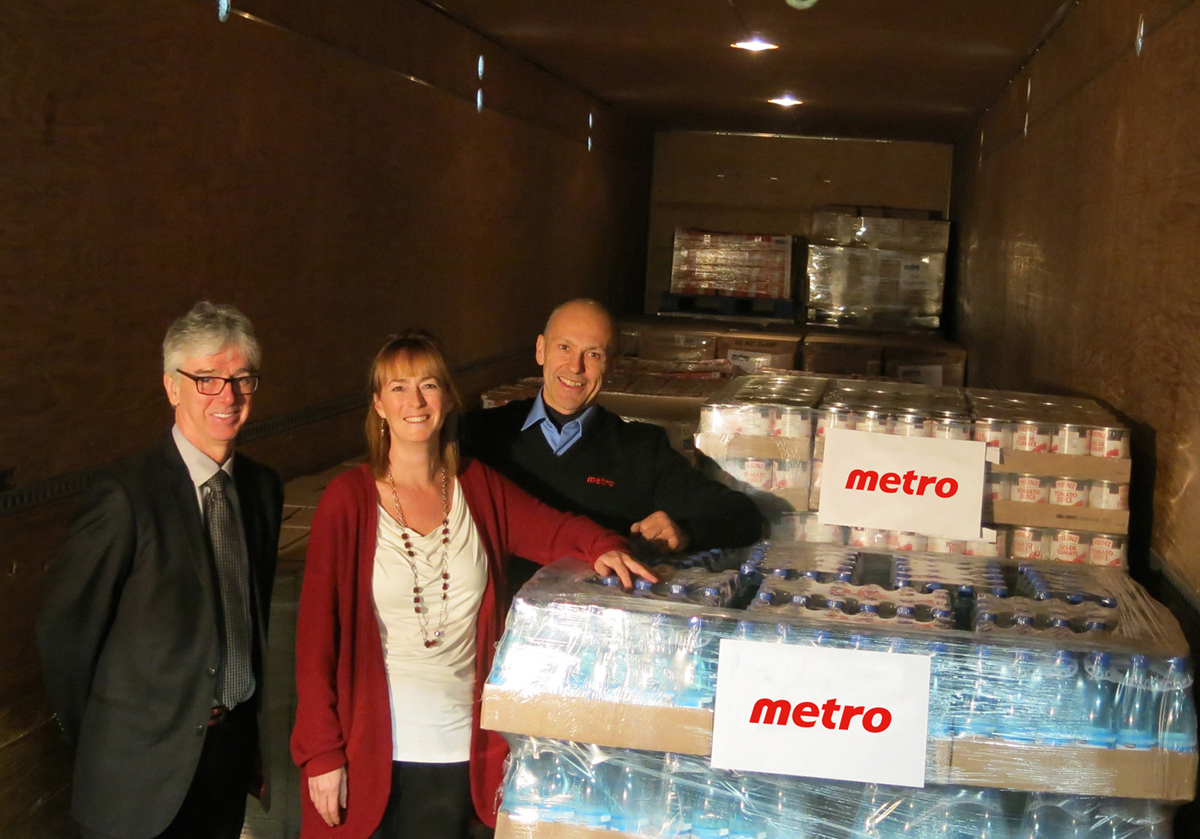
(342, 712)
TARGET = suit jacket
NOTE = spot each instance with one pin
(129, 634)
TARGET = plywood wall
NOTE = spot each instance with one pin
(1078, 202)
(322, 166)
(748, 183)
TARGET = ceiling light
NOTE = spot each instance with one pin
(755, 44)
(787, 101)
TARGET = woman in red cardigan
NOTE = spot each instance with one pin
(402, 604)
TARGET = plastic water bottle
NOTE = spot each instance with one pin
(1057, 710)
(745, 822)
(1017, 681)
(698, 685)
(1137, 711)
(631, 796)
(972, 814)
(1177, 719)
(941, 699)
(674, 810)
(593, 807)
(979, 717)
(711, 817)
(1099, 702)
(1050, 816)
(558, 791)
(522, 786)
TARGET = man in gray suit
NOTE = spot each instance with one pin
(154, 628)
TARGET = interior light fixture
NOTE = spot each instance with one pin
(755, 44)
(786, 101)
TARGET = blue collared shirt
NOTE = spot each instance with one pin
(562, 440)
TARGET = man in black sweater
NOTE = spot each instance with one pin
(577, 456)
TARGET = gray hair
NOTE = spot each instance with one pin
(204, 331)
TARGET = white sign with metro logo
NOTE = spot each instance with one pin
(914, 484)
(846, 715)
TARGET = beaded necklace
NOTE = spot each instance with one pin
(418, 600)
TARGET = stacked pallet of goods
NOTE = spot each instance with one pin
(865, 269)
(1056, 693)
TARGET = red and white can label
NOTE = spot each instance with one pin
(789, 474)
(912, 426)
(999, 486)
(1107, 550)
(1109, 442)
(756, 473)
(995, 433)
(1068, 546)
(867, 537)
(1070, 439)
(1029, 543)
(900, 541)
(942, 545)
(795, 423)
(1107, 495)
(1031, 437)
(754, 420)
(1068, 492)
(950, 429)
(1031, 489)
(876, 422)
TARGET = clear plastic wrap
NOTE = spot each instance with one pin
(731, 264)
(552, 784)
(866, 285)
(1027, 659)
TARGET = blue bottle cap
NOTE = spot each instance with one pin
(844, 576)
(930, 587)
(937, 647)
(1025, 621)
(642, 585)
(966, 590)
(677, 589)
(868, 609)
(1000, 591)
(710, 591)
(985, 617)
(1108, 602)
(1060, 623)
(904, 611)
(800, 599)
(766, 596)
(941, 614)
(820, 637)
(1101, 659)
(612, 580)
(1139, 660)
(1074, 597)
(1095, 625)
(748, 569)
(834, 604)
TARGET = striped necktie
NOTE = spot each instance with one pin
(233, 679)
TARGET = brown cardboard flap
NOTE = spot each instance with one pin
(1120, 773)
(682, 730)
(1064, 465)
(1065, 518)
(746, 445)
(510, 828)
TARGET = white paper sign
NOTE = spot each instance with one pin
(847, 715)
(914, 484)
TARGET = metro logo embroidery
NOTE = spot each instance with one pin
(805, 715)
(604, 482)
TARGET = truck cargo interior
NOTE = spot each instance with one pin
(1016, 183)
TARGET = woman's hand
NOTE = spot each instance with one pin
(328, 794)
(621, 564)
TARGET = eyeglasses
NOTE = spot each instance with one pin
(213, 385)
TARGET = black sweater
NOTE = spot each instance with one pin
(616, 474)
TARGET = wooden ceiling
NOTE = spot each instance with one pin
(887, 69)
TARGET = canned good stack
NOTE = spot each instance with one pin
(1026, 692)
(731, 264)
(1062, 480)
(757, 434)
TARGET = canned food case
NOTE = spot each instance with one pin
(1056, 516)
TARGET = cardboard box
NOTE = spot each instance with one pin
(676, 345)
(879, 232)
(732, 264)
(682, 730)
(511, 828)
(753, 352)
(654, 405)
(918, 235)
(843, 355)
(1060, 518)
(1090, 468)
(940, 365)
(832, 227)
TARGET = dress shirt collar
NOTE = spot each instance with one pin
(559, 440)
(200, 466)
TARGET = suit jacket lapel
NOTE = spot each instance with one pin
(182, 494)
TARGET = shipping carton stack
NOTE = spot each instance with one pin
(1055, 691)
(690, 339)
(870, 270)
(731, 266)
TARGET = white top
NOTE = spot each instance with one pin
(430, 689)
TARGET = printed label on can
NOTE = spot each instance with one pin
(795, 423)
(1030, 489)
(900, 541)
(940, 545)
(1070, 439)
(867, 537)
(1068, 546)
(999, 486)
(1068, 492)
(1109, 442)
(1028, 543)
(995, 434)
(830, 418)
(1031, 437)
(872, 421)
(1107, 550)
(755, 420)
(756, 473)
(790, 474)
(951, 430)
(907, 426)
(1106, 495)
